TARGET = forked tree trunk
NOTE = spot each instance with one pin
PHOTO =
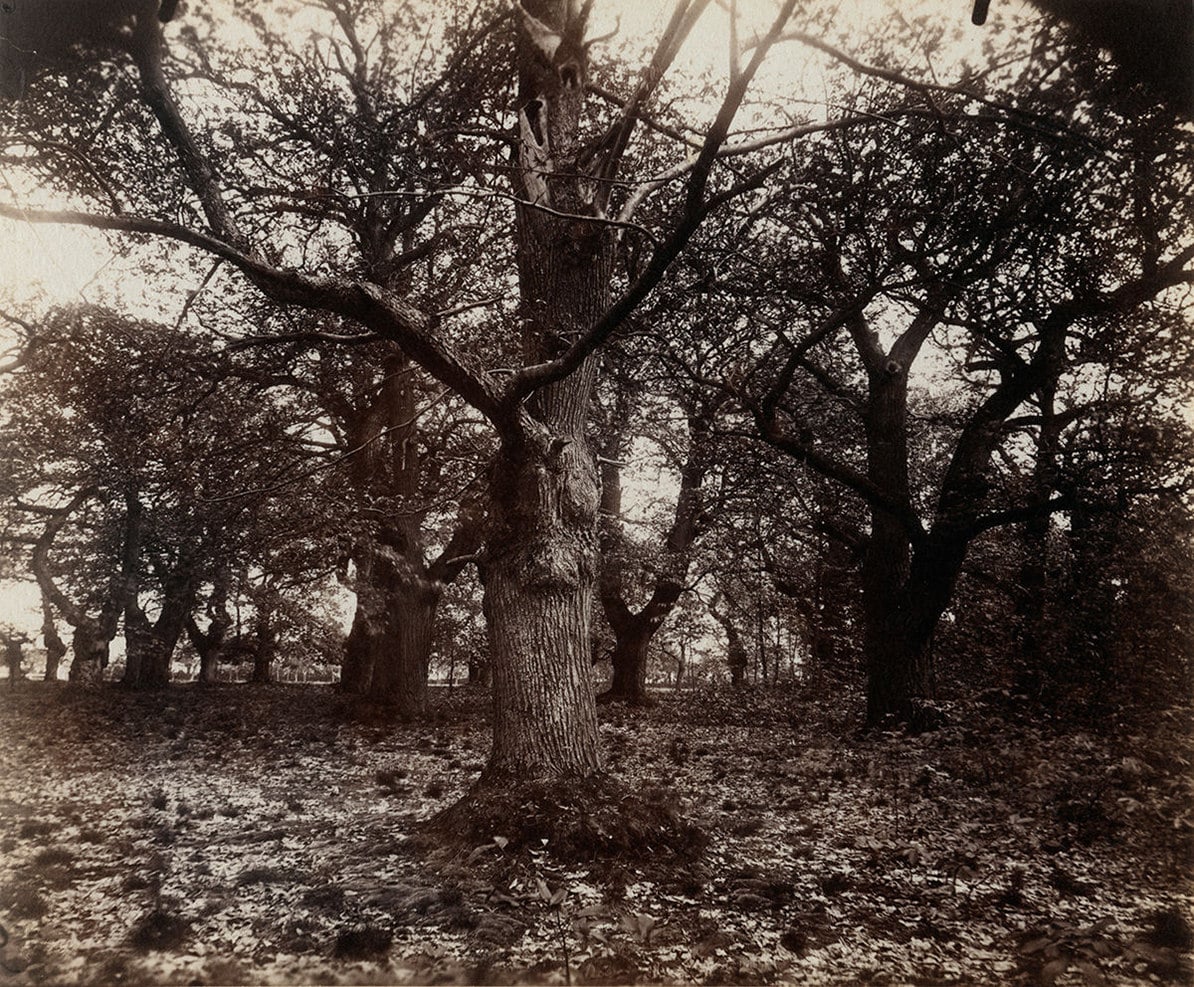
(210, 644)
(629, 659)
(93, 636)
(634, 631)
(150, 647)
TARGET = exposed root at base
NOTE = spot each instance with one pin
(573, 818)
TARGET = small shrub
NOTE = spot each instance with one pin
(36, 827)
(362, 942)
(54, 857)
(159, 930)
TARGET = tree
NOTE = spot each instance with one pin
(937, 259)
(667, 570)
(108, 407)
(538, 561)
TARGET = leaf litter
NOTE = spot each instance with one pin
(268, 835)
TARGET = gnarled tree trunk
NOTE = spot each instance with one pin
(538, 575)
(55, 646)
(210, 644)
(149, 648)
(634, 631)
(93, 635)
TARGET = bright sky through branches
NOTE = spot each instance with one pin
(60, 265)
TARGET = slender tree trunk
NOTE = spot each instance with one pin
(479, 673)
(1033, 600)
(897, 663)
(138, 643)
(264, 647)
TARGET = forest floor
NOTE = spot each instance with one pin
(252, 835)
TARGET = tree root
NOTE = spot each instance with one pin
(573, 818)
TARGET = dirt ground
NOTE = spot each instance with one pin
(271, 834)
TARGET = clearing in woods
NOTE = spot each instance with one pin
(244, 834)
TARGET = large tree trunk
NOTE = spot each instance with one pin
(629, 658)
(89, 653)
(540, 566)
(400, 669)
(897, 666)
(138, 642)
(149, 648)
(538, 575)
(264, 647)
(388, 652)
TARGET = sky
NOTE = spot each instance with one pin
(45, 265)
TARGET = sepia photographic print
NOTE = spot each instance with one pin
(597, 492)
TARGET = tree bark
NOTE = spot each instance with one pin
(149, 648)
(210, 644)
(538, 577)
(539, 562)
(400, 669)
(634, 631)
(55, 646)
(896, 665)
